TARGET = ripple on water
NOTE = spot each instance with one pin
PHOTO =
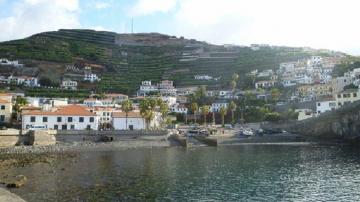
(241, 173)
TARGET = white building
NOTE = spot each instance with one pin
(92, 102)
(169, 100)
(179, 108)
(23, 80)
(71, 117)
(134, 121)
(325, 105)
(339, 83)
(146, 87)
(166, 87)
(264, 84)
(304, 114)
(288, 83)
(215, 107)
(69, 84)
(347, 97)
(105, 114)
(203, 77)
(91, 77)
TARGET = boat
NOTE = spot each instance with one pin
(246, 132)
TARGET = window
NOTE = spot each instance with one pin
(70, 119)
(81, 119)
(32, 119)
(59, 119)
(72, 127)
(319, 103)
(104, 113)
(2, 107)
(45, 119)
(339, 104)
(354, 95)
(91, 119)
(56, 127)
(64, 127)
(319, 112)
(88, 127)
(2, 118)
(339, 95)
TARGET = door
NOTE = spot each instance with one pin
(131, 127)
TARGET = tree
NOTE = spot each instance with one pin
(232, 108)
(235, 77)
(126, 106)
(275, 94)
(223, 112)
(233, 85)
(164, 110)
(205, 111)
(194, 108)
(147, 110)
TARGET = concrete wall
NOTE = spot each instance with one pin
(52, 121)
(9, 137)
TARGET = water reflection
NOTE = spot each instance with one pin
(256, 173)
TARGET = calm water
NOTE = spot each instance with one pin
(237, 173)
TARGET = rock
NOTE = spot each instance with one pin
(19, 181)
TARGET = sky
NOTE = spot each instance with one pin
(330, 24)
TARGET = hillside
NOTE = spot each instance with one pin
(124, 60)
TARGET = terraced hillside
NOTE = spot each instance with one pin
(130, 58)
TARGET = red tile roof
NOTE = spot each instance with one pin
(4, 101)
(69, 110)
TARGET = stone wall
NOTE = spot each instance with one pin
(9, 137)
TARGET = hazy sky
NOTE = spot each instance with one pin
(331, 24)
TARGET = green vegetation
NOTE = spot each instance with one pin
(53, 92)
(126, 66)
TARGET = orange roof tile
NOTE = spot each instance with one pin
(69, 110)
(4, 101)
(123, 115)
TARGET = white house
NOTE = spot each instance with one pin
(92, 102)
(347, 97)
(169, 100)
(134, 121)
(325, 105)
(69, 84)
(91, 77)
(105, 114)
(71, 117)
(203, 77)
(264, 84)
(304, 114)
(179, 108)
(146, 87)
(215, 107)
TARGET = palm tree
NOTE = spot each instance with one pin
(205, 111)
(146, 111)
(194, 108)
(126, 106)
(235, 77)
(223, 112)
(164, 110)
(232, 108)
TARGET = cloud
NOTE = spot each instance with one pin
(101, 5)
(148, 7)
(33, 16)
(321, 24)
